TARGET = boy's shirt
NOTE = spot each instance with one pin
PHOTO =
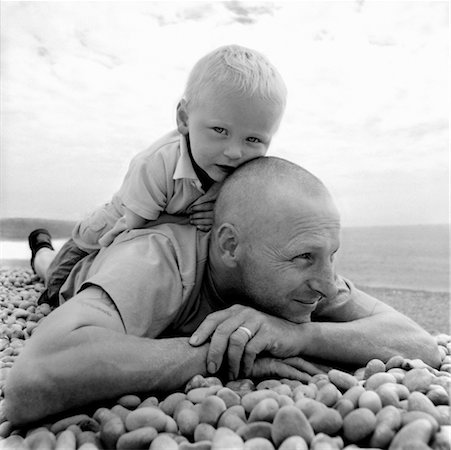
(161, 178)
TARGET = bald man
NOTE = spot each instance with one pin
(266, 283)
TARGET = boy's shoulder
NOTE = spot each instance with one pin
(167, 148)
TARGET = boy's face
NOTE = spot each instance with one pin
(227, 129)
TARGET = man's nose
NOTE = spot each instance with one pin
(323, 281)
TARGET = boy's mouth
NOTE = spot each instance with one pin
(226, 169)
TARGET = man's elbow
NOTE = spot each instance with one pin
(424, 347)
(24, 394)
(431, 354)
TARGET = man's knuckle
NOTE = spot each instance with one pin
(235, 341)
(250, 353)
(222, 330)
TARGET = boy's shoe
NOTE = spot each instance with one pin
(38, 239)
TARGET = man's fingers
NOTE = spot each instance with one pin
(266, 367)
(303, 365)
(221, 341)
(253, 348)
(238, 342)
(208, 326)
(230, 331)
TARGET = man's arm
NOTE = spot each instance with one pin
(80, 354)
(383, 334)
(352, 332)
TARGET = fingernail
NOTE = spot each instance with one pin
(193, 340)
(212, 367)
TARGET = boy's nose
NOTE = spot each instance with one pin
(233, 152)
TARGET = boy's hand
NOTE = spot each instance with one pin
(202, 216)
(201, 212)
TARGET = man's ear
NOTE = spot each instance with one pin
(228, 242)
(182, 117)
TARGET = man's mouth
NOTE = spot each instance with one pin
(307, 302)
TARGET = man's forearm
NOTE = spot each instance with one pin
(94, 364)
(379, 336)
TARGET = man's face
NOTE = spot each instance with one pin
(226, 130)
(287, 266)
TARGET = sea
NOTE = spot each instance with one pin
(400, 257)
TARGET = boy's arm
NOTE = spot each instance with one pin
(133, 220)
(163, 218)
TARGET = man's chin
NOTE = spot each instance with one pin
(302, 311)
(306, 318)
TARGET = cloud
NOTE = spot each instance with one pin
(174, 13)
(236, 11)
(247, 13)
(196, 12)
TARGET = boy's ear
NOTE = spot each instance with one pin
(227, 239)
(182, 117)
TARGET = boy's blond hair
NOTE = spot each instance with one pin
(237, 69)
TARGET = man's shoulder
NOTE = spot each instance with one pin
(184, 241)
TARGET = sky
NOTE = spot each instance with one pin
(87, 85)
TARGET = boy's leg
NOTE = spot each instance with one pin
(42, 261)
(56, 267)
(40, 243)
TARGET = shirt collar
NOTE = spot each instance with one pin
(184, 168)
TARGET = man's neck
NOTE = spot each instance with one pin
(212, 289)
(203, 176)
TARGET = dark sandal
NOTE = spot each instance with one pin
(37, 239)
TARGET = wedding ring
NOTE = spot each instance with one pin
(247, 331)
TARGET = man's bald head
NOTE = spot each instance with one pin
(275, 234)
(261, 188)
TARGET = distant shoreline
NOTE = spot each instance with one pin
(409, 258)
(12, 263)
(18, 228)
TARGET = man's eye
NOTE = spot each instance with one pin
(307, 256)
(254, 140)
(220, 130)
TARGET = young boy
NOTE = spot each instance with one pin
(231, 108)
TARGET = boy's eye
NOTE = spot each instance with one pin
(253, 140)
(220, 130)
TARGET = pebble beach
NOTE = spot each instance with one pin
(400, 404)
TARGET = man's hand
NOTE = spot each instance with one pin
(229, 330)
(293, 368)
